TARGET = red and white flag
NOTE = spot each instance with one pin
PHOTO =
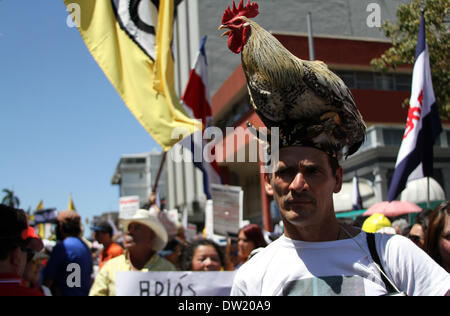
(197, 103)
(415, 157)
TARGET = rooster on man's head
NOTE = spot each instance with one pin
(309, 103)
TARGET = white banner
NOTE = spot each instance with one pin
(179, 283)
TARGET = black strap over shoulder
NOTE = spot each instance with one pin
(376, 258)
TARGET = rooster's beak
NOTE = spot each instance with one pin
(227, 32)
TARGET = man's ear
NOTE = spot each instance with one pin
(267, 185)
(16, 257)
(339, 177)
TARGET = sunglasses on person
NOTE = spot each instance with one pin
(415, 238)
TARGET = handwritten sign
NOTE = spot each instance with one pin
(228, 208)
(179, 283)
(128, 206)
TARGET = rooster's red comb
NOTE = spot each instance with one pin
(250, 11)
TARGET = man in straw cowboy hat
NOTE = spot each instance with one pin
(144, 237)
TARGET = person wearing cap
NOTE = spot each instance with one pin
(18, 243)
(377, 223)
(69, 268)
(144, 237)
(103, 234)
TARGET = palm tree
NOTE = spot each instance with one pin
(10, 199)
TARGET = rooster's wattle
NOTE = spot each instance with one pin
(309, 103)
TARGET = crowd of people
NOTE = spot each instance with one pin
(72, 268)
(75, 266)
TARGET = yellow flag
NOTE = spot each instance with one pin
(71, 206)
(123, 36)
(40, 206)
(40, 227)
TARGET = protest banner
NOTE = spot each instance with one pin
(128, 206)
(179, 283)
(45, 216)
(228, 209)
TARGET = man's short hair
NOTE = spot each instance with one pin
(13, 223)
(70, 222)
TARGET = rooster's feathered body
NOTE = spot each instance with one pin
(304, 99)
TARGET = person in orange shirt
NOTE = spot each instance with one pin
(103, 234)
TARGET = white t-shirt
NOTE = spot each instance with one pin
(290, 267)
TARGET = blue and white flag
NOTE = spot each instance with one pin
(415, 157)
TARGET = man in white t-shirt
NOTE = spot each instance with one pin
(318, 256)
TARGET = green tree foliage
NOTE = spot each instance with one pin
(403, 34)
(10, 198)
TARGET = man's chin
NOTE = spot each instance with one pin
(299, 215)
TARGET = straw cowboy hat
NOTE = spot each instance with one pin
(144, 217)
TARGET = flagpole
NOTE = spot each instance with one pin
(428, 193)
(158, 175)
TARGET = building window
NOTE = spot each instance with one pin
(384, 82)
(392, 137)
(403, 82)
(368, 80)
(348, 77)
(133, 160)
(365, 80)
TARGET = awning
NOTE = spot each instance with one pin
(343, 199)
(416, 191)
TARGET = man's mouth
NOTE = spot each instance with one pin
(292, 202)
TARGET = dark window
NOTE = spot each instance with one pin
(403, 82)
(348, 77)
(365, 80)
(384, 82)
(392, 137)
(375, 81)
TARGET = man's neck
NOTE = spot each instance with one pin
(106, 245)
(330, 232)
(138, 260)
(312, 233)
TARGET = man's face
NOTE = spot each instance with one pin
(303, 186)
(101, 237)
(138, 237)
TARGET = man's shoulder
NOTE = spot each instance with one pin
(115, 264)
(115, 249)
(262, 258)
(162, 264)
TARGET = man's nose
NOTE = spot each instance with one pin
(299, 183)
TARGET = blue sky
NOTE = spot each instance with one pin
(63, 126)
